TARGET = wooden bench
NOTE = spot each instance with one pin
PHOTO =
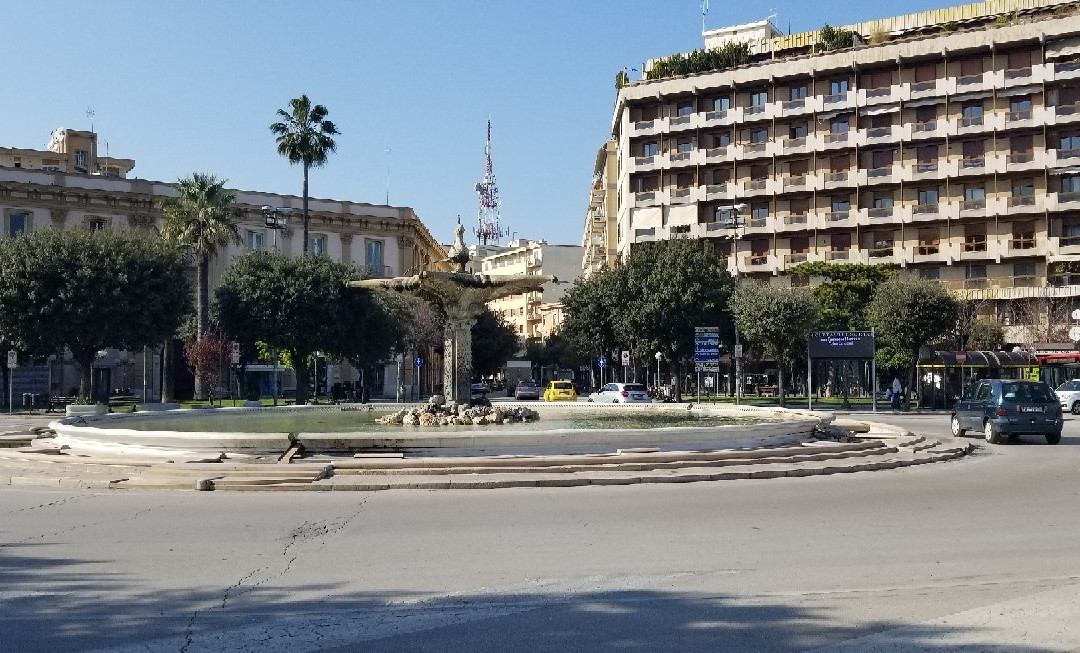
(57, 403)
(767, 390)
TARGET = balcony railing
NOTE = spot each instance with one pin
(836, 176)
(1067, 67)
(928, 126)
(836, 216)
(758, 259)
(881, 252)
(1073, 196)
(879, 132)
(878, 92)
(754, 108)
(644, 161)
(837, 255)
(1025, 241)
(792, 143)
(644, 124)
(972, 205)
(1067, 109)
(680, 193)
(924, 208)
(929, 249)
(837, 137)
(650, 231)
(795, 218)
(757, 223)
(645, 196)
(1068, 154)
(795, 258)
(1018, 73)
(918, 87)
(754, 147)
(678, 157)
(1069, 241)
(879, 172)
(967, 80)
(1025, 282)
(679, 120)
(755, 184)
(837, 97)
(1023, 114)
(715, 115)
(926, 167)
(974, 162)
(716, 152)
(794, 181)
(1064, 279)
(1022, 200)
(975, 283)
(974, 245)
(1021, 157)
(880, 212)
(794, 104)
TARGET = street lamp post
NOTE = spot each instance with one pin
(733, 223)
(659, 357)
(276, 218)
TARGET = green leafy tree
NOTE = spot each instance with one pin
(909, 313)
(304, 136)
(300, 305)
(776, 319)
(844, 290)
(494, 341)
(90, 290)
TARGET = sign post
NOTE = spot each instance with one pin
(961, 358)
(706, 353)
(418, 362)
(626, 363)
(601, 363)
(840, 345)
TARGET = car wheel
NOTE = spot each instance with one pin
(1053, 438)
(990, 432)
(956, 430)
(1075, 408)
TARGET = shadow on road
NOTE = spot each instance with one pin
(46, 607)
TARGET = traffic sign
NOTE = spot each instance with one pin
(961, 357)
(1076, 314)
(706, 367)
(602, 362)
(418, 361)
(235, 356)
(738, 351)
(1074, 333)
(12, 359)
(625, 357)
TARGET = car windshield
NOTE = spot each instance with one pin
(563, 385)
(1037, 392)
(634, 387)
(1072, 386)
(526, 384)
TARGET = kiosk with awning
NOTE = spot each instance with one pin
(942, 375)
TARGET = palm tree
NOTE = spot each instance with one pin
(304, 137)
(199, 218)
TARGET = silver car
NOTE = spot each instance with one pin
(1068, 394)
(621, 393)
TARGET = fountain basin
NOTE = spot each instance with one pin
(565, 428)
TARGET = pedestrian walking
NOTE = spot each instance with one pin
(897, 389)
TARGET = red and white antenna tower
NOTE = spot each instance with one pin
(487, 229)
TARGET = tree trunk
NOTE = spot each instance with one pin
(910, 380)
(84, 360)
(303, 376)
(167, 390)
(306, 221)
(780, 381)
(678, 377)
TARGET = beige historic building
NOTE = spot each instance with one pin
(947, 142)
(382, 240)
(527, 312)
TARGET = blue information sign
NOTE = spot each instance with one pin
(418, 361)
(602, 362)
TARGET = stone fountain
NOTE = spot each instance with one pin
(462, 296)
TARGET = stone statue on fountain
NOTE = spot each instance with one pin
(463, 296)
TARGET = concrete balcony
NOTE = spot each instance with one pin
(678, 124)
(793, 222)
(839, 179)
(644, 163)
(718, 154)
(1018, 246)
(756, 187)
(838, 140)
(720, 191)
(974, 166)
(676, 160)
(925, 170)
(925, 254)
(758, 263)
(890, 174)
(685, 195)
(917, 90)
(650, 198)
(839, 219)
(1062, 158)
(925, 212)
(838, 101)
(972, 208)
(874, 96)
(1063, 201)
(1025, 118)
(1066, 114)
(768, 111)
(801, 145)
(755, 150)
(649, 127)
(805, 106)
(795, 258)
(876, 215)
(931, 129)
(838, 255)
(969, 83)
(974, 125)
(1025, 205)
(975, 252)
(792, 183)
(1020, 161)
(1064, 70)
(872, 135)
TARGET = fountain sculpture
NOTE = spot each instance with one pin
(462, 296)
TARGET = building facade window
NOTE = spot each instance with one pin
(1070, 184)
(928, 197)
(1020, 107)
(17, 223)
(317, 244)
(254, 240)
(971, 113)
(758, 99)
(373, 257)
(930, 274)
(929, 242)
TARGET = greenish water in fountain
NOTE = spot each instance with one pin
(365, 421)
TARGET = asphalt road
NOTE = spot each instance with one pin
(980, 554)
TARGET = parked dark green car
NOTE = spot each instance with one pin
(1008, 408)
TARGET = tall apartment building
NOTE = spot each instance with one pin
(599, 242)
(533, 314)
(384, 241)
(946, 142)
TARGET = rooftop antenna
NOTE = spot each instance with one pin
(488, 229)
(90, 116)
(704, 10)
(387, 150)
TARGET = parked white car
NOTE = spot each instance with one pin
(621, 393)
(1068, 394)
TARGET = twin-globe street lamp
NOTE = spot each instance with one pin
(276, 218)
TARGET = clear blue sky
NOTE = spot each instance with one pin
(192, 86)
